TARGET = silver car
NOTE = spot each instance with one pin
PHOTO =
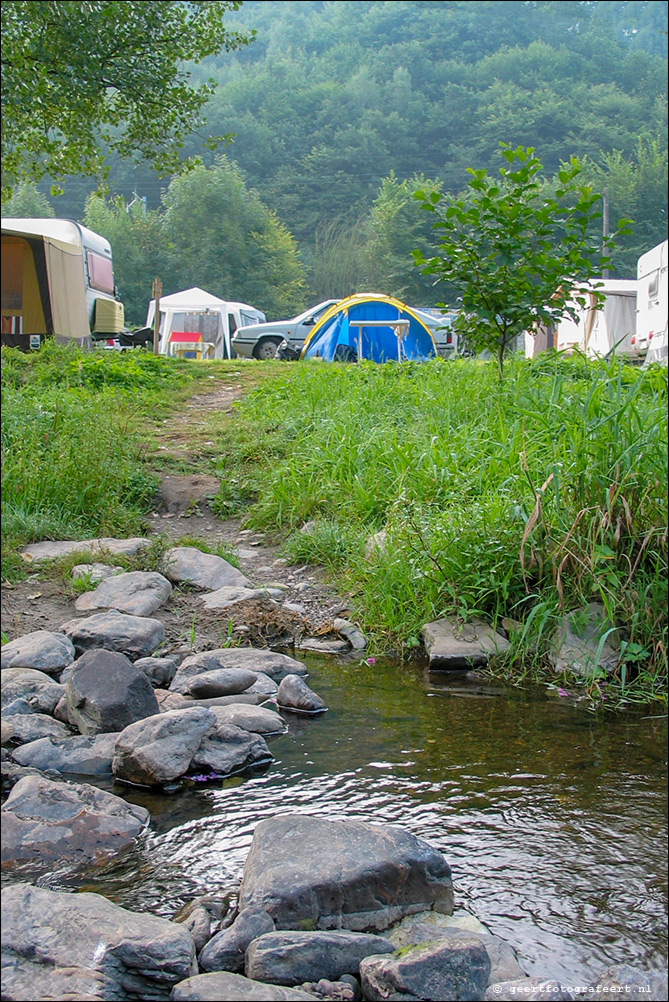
(262, 340)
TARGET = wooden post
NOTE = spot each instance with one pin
(605, 229)
(157, 292)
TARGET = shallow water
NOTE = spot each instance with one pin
(553, 821)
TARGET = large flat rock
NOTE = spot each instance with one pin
(80, 755)
(224, 987)
(307, 872)
(187, 564)
(135, 636)
(138, 593)
(292, 958)
(51, 550)
(82, 946)
(47, 821)
(455, 646)
(41, 650)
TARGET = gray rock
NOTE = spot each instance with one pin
(94, 573)
(12, 772)
(36, 553)
(307, 872)
(234, 988)
(623, 981)
(138, 593)
(204, 570)
(258, 719)
(376, 545)
(80, 755)
(276, 666)
(45, 651)
(291, 958)
(30, 727)
(230, 750)
(171, 700)
(7, 732)
(248, 698)
(17, 707)
(221, 682)
(430, 971)
(60, 711)
(36, 687)
(580, 650)
(351, 633)
(504, 964)
(263, 685)
(323, 646)
(135, 636)
(48, 821)
(202, 917)
(455, 646)
(105, 692)
(83, 946)
(226, 950)
(159, 671)
(530, 989)
(230, 594)
(295, 695)
(160, 749)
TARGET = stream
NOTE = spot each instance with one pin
(552, 818)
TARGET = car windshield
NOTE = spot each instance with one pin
(314, 311)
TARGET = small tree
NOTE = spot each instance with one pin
(518, 249)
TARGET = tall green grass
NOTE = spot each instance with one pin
(521, 500)
(74, 441)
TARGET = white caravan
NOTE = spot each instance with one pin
(651, 312)
(197, 325)
(599, 332)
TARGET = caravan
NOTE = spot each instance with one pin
(605, 331)
(194, 324)
(651, 311)
(57, 279)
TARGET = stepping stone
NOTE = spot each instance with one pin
(138, 593)
(455, 646)
(135, 636)
(49, 550)
(41, 650)
(187, 564)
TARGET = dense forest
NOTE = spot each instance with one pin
(340, 110)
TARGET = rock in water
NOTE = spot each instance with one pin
(319, 874)
(66, 946)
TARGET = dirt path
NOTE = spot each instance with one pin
(182, 508)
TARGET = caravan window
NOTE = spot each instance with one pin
(100, 272)
(653, 285)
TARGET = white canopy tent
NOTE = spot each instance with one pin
(195, 324)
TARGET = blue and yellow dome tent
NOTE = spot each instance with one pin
(354, 328)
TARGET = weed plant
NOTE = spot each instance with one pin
(519, 500)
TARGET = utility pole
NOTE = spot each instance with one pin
(157, 293)
(605, 228)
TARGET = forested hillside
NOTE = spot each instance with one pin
(333, 97)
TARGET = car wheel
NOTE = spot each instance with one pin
(266, 348)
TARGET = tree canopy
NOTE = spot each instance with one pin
(80, 77)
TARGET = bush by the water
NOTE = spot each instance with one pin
(517, 500)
